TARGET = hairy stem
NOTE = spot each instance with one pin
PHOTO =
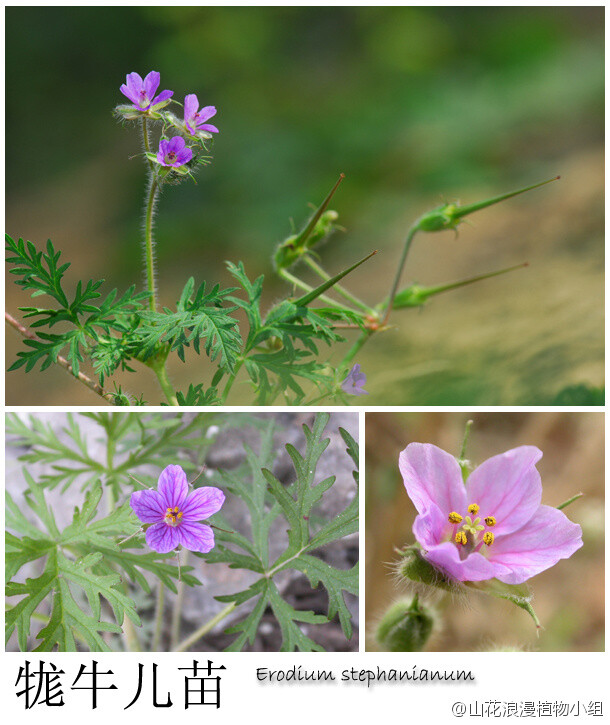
(156, 642)
(91, 384)
(355, 348)
(149, 243)
(161, 372)
(401, 265)
(204, 629)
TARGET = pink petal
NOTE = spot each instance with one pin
(191, 104)
(432, 476)
(208, 127)
(202, 503)
(161, 98)
(546, 538)
(196, 537)
(148, 506)
(206, 112)
(430, 527)
(151, 83)
(507, 487)
(162, 538)
(173, 486)
(474, 568)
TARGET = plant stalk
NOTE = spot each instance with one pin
(156, 642)
(401, 265)
(204, 629)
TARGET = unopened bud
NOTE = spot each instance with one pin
(405, 627)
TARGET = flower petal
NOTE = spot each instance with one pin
(202, 503)
(208, 127)
(546, 538)
(162, 538)
(183, 157)
(430, 527)
(161, 98)
(148, 506)
(151, 83)
(507, 487)
(191, 104)
(173, 486)
(446, 557)
(196, 537)
(432, 476)
(206, 113)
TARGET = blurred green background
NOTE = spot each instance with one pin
(414, 105)
(568, 598)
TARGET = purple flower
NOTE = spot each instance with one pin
(173, 152)
(174, 513)
(195, 119)
(353, 383)
(141, 92)
(495, 525)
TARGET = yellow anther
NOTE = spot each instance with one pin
(460, 538)
(179, 515)
(169, 510)
(474, 509)
(488, 538)
(454, 518)
(176, 509)
(490, 521)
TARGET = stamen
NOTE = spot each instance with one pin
(460, 538)
(179, 515)
(454, 518)
(488, 538)
(474, 509)
(490, 521)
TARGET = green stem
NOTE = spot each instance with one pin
(204, 629)
(355, 348)
(159, 369)
(231, 379)
(148, 238)
(177, 609)
(469, 424)
(405, 251)
(312, 264)
(156, 643)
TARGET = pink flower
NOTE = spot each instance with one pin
(195, 119)
(175, 513)
(492, 527)
(173, 152)
(142, 92)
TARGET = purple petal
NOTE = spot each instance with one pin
(205, 113)
(176, 144)
(183, 157)
(474, 568)
(173, 486)
(432, 476)
(162, 538)
(507, 487)
(191, 104)
(202, 503)
(148, 506)
(546, 538)
(161, 98)
(212, 129)
(151, 83)
(196, 537)
(429, 527)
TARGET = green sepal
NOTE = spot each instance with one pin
(518, 594)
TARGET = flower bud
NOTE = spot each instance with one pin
(405, 627)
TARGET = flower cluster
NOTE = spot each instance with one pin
(174, 153)
(175, 514)
(494, 526)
